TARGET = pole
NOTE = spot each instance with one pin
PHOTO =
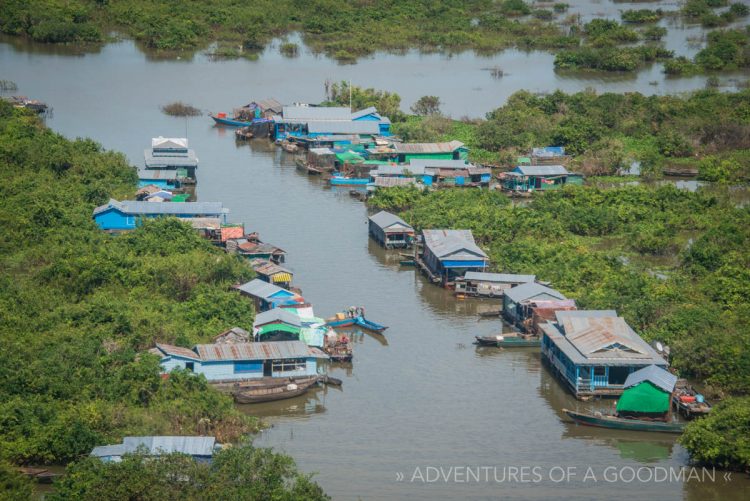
(350, 94)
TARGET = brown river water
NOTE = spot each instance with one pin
(422, 414)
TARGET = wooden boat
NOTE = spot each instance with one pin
(508, 341)
(407, 262)
(289, 147)
(229, 122)
(685, 400)
(488, 314)
(618, 423)
(358, 321)
(339, 180)
(304, 166)
(251, 395)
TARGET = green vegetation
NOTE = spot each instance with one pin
(673, 263)
(723, 437)
(387, 103)
(426, 105)
(79, 306)
(725, 50)
(340, 29)
(235, 473)
(289, 49)
(639, 16)
(602, 52)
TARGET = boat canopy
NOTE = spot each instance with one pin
(644, 398)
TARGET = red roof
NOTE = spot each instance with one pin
(232, 232)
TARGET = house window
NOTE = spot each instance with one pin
(289, 365)
(600, 371)
(190, 366)
(130, 221)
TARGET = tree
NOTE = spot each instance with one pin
(426, 105)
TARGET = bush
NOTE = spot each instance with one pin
(721, 438)
(642, 16)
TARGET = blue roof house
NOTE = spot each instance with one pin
(119, 216)
(449, 254)
(267, 296)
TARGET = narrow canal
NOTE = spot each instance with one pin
(422, 397)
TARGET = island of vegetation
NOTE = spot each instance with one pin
(81, 307)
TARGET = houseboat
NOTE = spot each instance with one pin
(171, 153)
(517, 300)
(452, 150)
(390, 231)
(449, 254)
(594, 351)
(233, 336)
(200, 448)
(529, 178)
(251, 247)
(492, 285)
(124, 215)
(267, 296)
(313, 121)
(227, 363)
(272, 273)
(163, 178)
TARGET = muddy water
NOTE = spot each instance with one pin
(422, 397)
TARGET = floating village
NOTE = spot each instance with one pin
(593, 353)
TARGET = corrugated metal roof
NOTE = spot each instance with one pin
(363, 113)
(178, 351)
(477, 171)
(169, 143)
(529, 290)
(498, 277)
(438, 163)
(155, 160)
(230, 232)
(204, 223)
(261, 289)
(277, 315)
(167, 208)
(275, 350)
(321, 151)
(267, 268)
(448, 147)
(456, 244)
(166, 174)
(341, 127)
(307, 113)
(541, 170)
(385, 220)
(598, 334)
(390, 182)
(658, 376)
(270, 104)
(399, 170)
(157, 445)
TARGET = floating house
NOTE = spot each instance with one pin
(252, 248)
(233, 336)
(449, 254)
(272, 273)
(313, 121)
(391, 231)
(453, 172)
(453, 150)
(390, 182)
(278, 324)
(221, 363)
(171, 153)
(265, 108)
(267, 296)
(527, 178)
(647, 393)
(594, 351)
(163, 178)
(517, 300)
(200, 448)
(475, 283)
(118, 216)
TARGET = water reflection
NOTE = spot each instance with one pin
(303, 406)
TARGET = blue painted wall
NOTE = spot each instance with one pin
(229, 370)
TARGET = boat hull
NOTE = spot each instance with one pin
(615, 423)
(344, 181)
(262, 394)
(509, 342)
(359, 322)
(230, 122)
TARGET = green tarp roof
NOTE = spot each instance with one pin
(644, 397)
(349, 157)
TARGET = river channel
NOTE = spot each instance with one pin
(421, 398)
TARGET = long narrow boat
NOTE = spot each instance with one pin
(229, 122)
(348, 181)
(617, 423)
(508, 341)
(271, 393)
(358, 321)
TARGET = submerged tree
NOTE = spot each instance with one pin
(426, 105)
